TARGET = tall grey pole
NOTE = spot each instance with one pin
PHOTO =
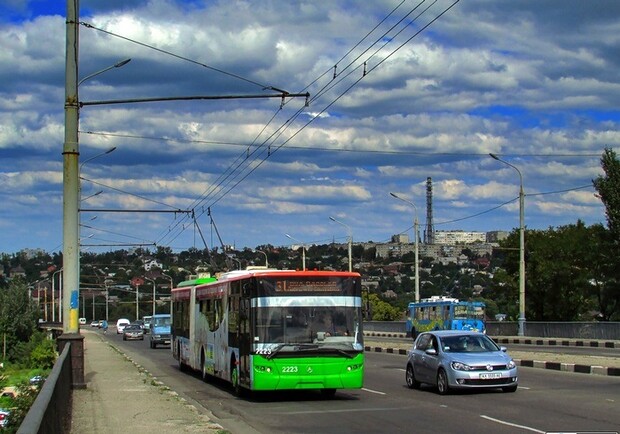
(350, 241)
(417, 259)
(417, 249)
(521, 320)
(154, 294)
(521, 331)
(303, 251)
(71, 254)
(137, 302)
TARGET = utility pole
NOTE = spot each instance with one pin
(71, 255)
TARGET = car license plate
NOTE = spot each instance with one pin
(489, 376)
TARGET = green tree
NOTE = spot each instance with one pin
(18, 314)
(559, 273)
(608, 188)
(606, 285)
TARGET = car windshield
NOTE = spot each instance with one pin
(133, 327)
(468, 344)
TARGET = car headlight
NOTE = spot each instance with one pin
(458, 366)
(511, 364)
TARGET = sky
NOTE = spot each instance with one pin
(399, 91)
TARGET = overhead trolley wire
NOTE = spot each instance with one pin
(243, 165)
(280, 131)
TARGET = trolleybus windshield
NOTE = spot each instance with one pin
(307, 315)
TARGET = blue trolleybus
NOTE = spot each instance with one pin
(443, 313)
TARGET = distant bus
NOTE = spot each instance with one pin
(443, 313)
(265, 329)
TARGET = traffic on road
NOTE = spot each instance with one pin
(544, 401)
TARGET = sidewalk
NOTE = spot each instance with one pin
(121, 398)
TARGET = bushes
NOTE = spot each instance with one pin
(38, 352)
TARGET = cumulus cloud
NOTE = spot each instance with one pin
(525, 81)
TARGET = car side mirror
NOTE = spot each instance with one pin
(504, 349)
(431, 352)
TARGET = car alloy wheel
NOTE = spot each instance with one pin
(442, 382)
(412, 383)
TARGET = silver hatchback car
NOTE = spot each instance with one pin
(451, 359)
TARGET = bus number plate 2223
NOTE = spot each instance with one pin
(289, 369)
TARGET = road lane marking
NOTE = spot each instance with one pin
(503, 422)
(373, 391)
(346, 410)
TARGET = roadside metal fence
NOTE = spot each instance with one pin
(51, 411)
(566, 330)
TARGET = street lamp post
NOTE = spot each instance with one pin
(137, 302)
(171, 286)
(350, 240)
(303, 251)
(415, 231)
(521, 331)
(154, 295)
(116, 65)
(54, 295)
(266, 260)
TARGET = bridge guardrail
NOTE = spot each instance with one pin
(51, 410)
(609, 331)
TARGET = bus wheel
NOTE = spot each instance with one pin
(182, 366)
(234, 379)
(203, 365)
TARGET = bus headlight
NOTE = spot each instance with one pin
(351, 368)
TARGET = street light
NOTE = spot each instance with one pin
(415, 230)
(350, 240)
(71, 199)
(266, 260)
(112, 149)
(116, 65)
(171, 286)
(92, 195)
(137, 302)
(151, 280)
(521, 331)
(303, 251)
(53, 295)
(71, 174)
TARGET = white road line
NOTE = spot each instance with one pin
(512, 424)
(373, 391)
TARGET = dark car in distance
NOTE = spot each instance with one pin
(457, 359)
(133, 332)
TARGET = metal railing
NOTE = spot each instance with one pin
(547, 329)
(51, 411)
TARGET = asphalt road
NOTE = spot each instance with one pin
(546, 401)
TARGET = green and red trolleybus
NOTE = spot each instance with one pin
(264, 329)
